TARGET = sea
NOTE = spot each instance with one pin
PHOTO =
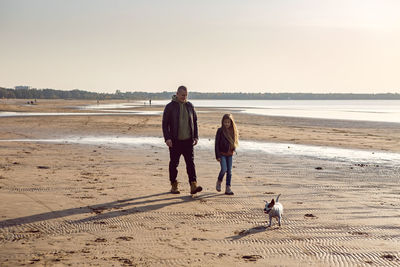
(357, 110)
(360, 110)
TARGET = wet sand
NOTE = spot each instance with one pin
(102, 205)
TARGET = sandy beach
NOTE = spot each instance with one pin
(103, 204)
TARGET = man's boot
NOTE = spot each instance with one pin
(194, 188)
(174, 188)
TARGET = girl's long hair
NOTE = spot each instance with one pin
(231, 133)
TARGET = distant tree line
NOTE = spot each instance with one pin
(25, 92)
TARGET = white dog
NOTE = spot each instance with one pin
(274, 210)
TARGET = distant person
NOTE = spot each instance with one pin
(226, 142)
(179, 125)
(150, 102)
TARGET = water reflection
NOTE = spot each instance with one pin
(110, 106)
(372, 110)
(108, 112)
(282, 149)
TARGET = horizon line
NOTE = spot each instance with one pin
(198, 92)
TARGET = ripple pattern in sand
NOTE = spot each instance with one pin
(238, 223)
(296, 239)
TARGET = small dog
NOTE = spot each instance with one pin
(274, 210)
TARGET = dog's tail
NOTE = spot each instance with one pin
(277, 198)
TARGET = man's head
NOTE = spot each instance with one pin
(181, 94)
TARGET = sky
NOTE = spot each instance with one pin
(309, 46)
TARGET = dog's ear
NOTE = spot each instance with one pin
(270, 205)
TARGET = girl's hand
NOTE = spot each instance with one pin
(218, 159)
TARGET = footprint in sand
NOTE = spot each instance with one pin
(251, 257)
(269, 193)
(389, 257)
(198, 239)
(43, 167)
(310, 215)
(125, 238)
(32, 261)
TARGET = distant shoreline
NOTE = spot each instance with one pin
(26, 92)
(375, 136)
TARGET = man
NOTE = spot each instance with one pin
(180, 132)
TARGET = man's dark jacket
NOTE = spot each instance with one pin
(170, 121)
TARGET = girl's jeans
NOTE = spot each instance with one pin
(226, 167)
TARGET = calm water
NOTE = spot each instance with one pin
(361, 110)
(364, 110)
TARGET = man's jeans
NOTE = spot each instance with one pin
(184, 148)
(226, 167)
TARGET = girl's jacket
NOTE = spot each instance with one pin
(221, 144)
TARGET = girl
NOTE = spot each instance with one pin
(226, 141)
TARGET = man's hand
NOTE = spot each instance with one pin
(195, 141)
(169, 142)
(218, 159)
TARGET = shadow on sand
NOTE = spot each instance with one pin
(115, 208)
(251, 231)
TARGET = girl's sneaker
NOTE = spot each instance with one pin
(218, 186)
(228, 190)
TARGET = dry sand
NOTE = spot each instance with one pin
(103, 205)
